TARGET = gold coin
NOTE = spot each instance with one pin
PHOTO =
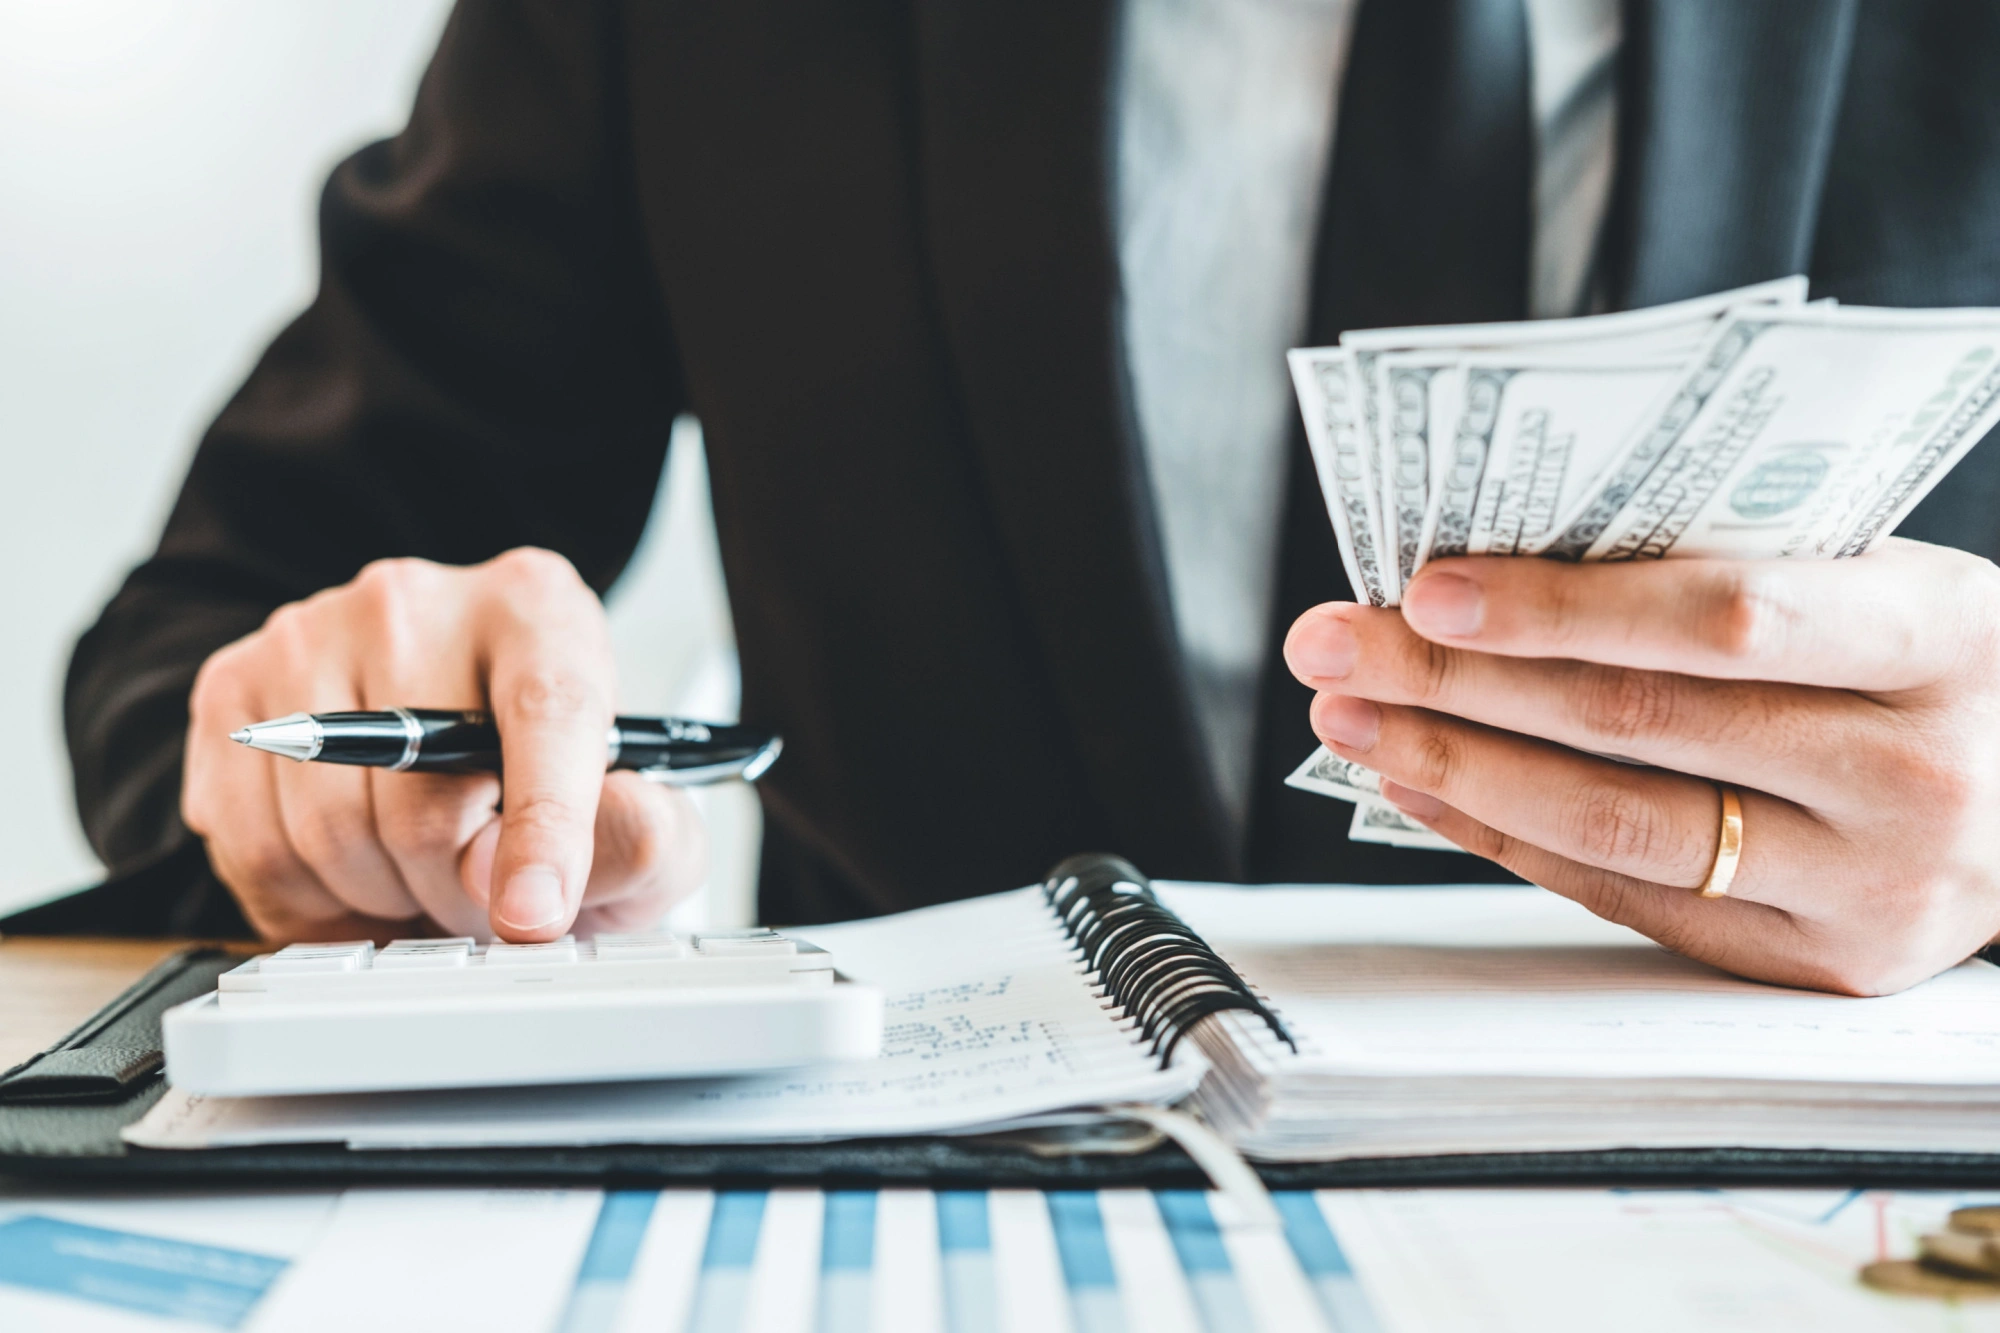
(1957, 1250)
(1907, 1277)
(1977, 1221)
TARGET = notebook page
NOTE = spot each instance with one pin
(1518, 982)
(989, 1022)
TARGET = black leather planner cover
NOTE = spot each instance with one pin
(60, 1114)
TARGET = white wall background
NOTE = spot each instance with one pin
(159, 166)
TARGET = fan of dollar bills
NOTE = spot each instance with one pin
(1748, 424)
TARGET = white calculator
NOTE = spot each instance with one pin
(455, 1014)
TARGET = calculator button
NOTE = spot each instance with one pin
(294, 959)
(743, 944)
(426, 954)
(540, 955)
(641, 948)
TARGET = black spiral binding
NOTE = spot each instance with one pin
(1147, 959)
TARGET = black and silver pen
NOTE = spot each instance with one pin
(434, 740)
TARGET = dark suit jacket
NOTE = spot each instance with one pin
(867, 242)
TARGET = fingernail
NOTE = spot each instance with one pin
(532, 899)
(1416, 804)
(1445, 604)
(1352, 723)
(1323, 649)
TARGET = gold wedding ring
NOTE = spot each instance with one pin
(1728, 845)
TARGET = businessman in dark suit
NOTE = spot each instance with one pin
(945, 282)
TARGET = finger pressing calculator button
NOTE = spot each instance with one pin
(743, 943)
(540, 955)
(455, 952)
(293, 959)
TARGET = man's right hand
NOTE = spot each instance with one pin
(326, 851)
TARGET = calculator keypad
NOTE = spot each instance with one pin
(426, 954)
(532, 955)
(306, 959)
(650, 945)
(743, 944)
(450, 968)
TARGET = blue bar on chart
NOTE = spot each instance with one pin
(1086, 1261)
(722, 1294)
(1325, 1263)
(607, 1262)
(846, 1261)
(1205, 1259)
(965, 1256)
(153, 1275)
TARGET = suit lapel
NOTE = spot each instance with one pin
(1727, 113)
(1014, 121)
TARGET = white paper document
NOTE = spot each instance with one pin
(914, 1261)
(1642, 1261)
(1401, 983)
(89, 1262)
(390, 1260)
(1465, 1020)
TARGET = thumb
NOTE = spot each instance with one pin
(475, 865)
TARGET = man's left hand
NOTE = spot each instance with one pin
(1854, 703)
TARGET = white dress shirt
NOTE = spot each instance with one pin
(1224, 134)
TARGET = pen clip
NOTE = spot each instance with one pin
(749, 768)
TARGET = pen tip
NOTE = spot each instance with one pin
(241, 735)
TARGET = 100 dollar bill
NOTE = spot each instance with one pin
(1327, 774)
(1531, 434)
(1375, 820)
(1376, 426)
(1386, 824)
(1807, 432)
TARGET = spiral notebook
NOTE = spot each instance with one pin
(1305, 1024)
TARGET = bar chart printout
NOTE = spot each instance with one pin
(1005, 1261)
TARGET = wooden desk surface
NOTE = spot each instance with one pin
(48, 986)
